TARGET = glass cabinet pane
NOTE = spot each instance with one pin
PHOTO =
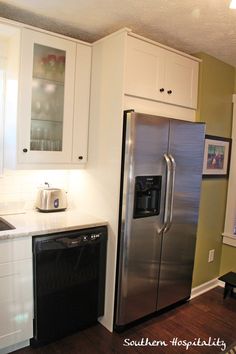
(47, 103)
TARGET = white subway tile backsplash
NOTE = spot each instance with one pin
(18, 189)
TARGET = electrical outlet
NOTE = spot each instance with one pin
(211, 255)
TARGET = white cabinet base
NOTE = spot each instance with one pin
(14, 347)
(16, 291)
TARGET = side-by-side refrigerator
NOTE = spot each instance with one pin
(160, 189)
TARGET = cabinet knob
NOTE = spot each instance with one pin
(162, 89)
(80, 157)
(169, 92)
(25, 150)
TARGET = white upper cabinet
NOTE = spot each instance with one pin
(181, 80)
(46, 98)
(156, 73)
(53, 101)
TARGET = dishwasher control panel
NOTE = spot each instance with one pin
(68, 239)
(90, 237)
(95, 236)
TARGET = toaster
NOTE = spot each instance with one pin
(51, 199)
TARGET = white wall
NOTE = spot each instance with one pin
(18, 189)
(101, 193)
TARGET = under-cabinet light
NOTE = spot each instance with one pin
(232, 4)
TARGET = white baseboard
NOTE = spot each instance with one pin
(201, 289)
(221, 283)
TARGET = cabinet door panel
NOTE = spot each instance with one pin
(81, 105)
(181, 78)
(16, 302)
(46, 98)
(144, 69)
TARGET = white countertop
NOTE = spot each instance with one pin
(35, 223)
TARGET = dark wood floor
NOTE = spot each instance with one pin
(207, 316)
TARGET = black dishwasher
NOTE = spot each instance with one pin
(69, 282)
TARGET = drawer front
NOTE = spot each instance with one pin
(16, 281)
(16, 249)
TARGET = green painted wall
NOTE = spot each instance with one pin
(216, 87)
(235, 81)
(228, 256)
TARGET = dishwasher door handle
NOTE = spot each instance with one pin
(69, 242)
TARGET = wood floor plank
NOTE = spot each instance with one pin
(206, 316)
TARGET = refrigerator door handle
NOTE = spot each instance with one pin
(171, 193)
(172, 187)
(167, 196)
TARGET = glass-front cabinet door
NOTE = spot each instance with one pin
(47, 102)
(46, 98)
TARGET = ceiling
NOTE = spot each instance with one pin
(189, 25)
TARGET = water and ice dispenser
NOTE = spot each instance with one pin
(147, 196)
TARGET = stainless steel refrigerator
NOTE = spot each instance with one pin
(160, 190)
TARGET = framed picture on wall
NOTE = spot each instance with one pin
(216, 156)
